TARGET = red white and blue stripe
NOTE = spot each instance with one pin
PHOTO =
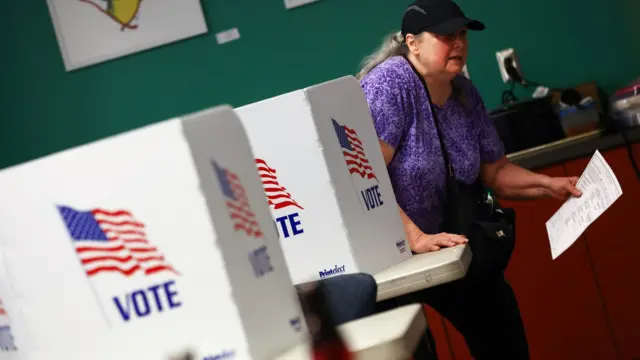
(353, 151)
(277, 195)
(237, 202)
(112, 241)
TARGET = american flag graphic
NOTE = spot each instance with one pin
(277, 196)
(112, 241)
(353, 152)
(237, 202)
(3, 312)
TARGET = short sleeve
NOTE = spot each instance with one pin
(491, 146)
(386, 105)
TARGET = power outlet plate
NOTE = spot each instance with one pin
(503, 55)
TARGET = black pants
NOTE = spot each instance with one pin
(482, 308)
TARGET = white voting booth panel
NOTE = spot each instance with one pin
(424, 271)
(142, 245)
(323, 173)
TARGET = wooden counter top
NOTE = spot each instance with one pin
(571, 148)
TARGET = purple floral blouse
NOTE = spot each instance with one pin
(398, 104)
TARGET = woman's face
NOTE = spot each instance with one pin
(441, 54)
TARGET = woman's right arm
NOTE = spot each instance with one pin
(419, 241)
(387, 103)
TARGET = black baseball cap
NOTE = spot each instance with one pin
(442, 17)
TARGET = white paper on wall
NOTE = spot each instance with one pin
(93, 31)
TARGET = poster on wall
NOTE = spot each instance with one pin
(94, 31)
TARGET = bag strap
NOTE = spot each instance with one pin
(445, 154)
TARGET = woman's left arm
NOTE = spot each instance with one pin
(511, 181)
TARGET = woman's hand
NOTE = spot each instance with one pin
(562, 188)
(425, 242)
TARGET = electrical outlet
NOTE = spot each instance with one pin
(503, 55)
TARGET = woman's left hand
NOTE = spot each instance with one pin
(562, 188)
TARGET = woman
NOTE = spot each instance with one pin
(433, 45)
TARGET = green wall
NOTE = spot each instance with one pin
(43, 109)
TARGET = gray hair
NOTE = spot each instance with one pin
(393, 45)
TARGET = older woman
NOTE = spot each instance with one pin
(430, 53)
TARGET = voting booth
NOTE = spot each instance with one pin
(144, 245)
(326, 182)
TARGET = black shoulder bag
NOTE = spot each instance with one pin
(470, 211)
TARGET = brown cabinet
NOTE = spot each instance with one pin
(559, 299)
(613, 242)
(437, 326)
(564, 311)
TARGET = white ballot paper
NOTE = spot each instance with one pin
(600, 188)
